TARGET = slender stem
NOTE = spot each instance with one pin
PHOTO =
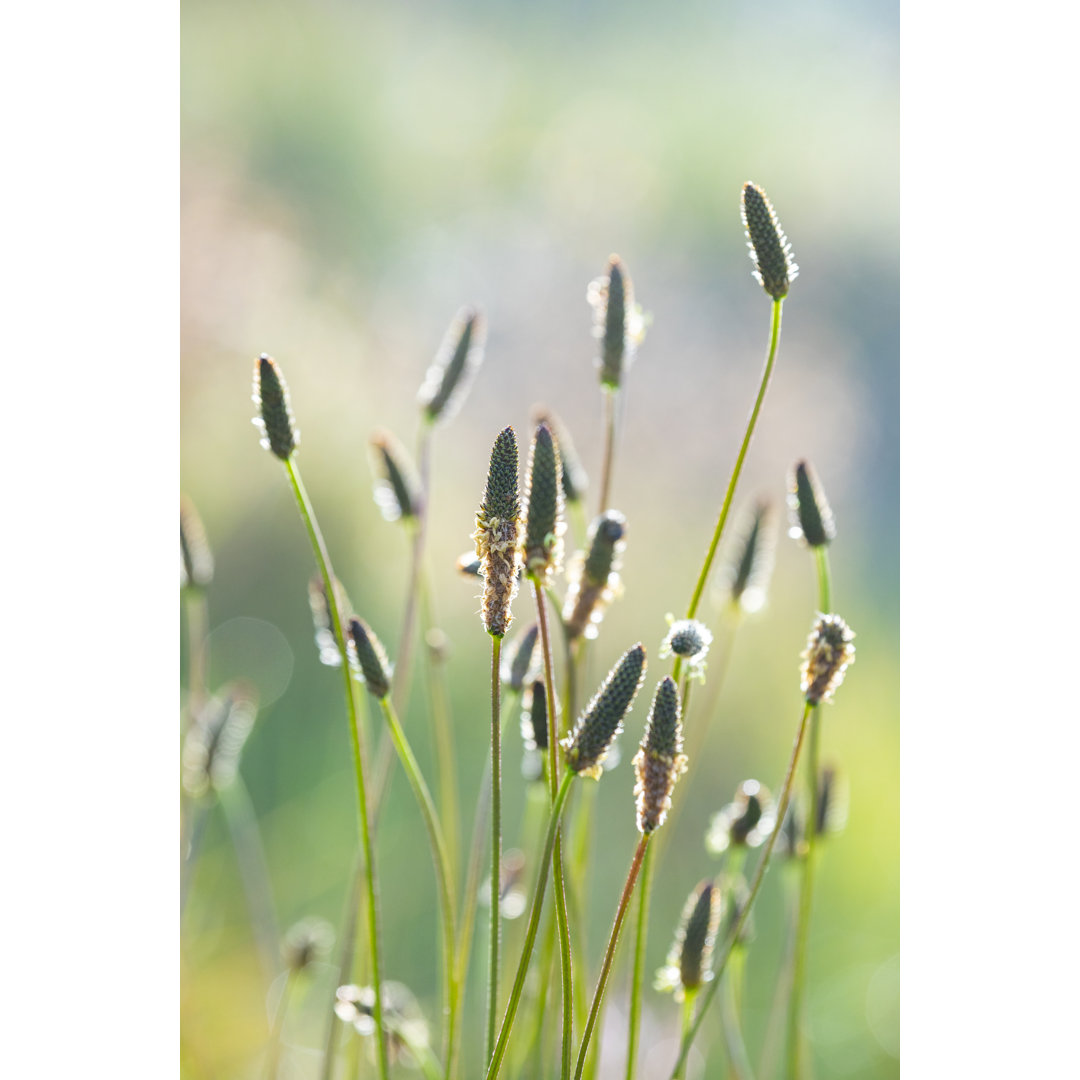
(534, 922)
(755, 885)
(638, 977)
(251, 860)
(197, 622)
(532, 1049)
(609, 397)
(774, 339)
(442, 871)
(274, 1049)
(796, 1005)
(323, 559)
(348, 944)
(741, 1069)
(193, 824)
(566, 962)
(687, 1015)
(609, 954)
(496, 848)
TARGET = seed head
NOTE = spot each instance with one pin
(749, 572)
(454, 367)
(275, 419)
(745, 822)
(791, 843)
(196, 559)
(215, 740)
(518, 661)
(404, 1023)
(588, 744)
(544, 521)
(496, 536)
(832, 802)
(370, 657)
(689, 963)
(306, 942)
(397, 489)
(689, 639)
(324, 624)
(617, 322)
(827, 656)
(534, 718)
(770, 249)
(594, 577)
(659, 760)
(575, 480)
(808, 509)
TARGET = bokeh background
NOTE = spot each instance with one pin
(354, 173)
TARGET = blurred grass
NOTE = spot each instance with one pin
(355, 172)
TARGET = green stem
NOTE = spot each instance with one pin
(639, 966)
(609, 953)
(560, 880)
(534, 922)
(442, 872)
(687, 1014)
(741, 1069)
(755, 885)
(323, 559)
(496, 848)
(274, 1051)
(774, 340)
(608, 467)
(348, 945)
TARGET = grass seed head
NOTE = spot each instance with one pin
(370, 657)
(770, 250)
(196, 558)
(745, 822)
(594, 576)
(749, 572)
(496, 535)
(659, 761)
(397, 488)
(689, 639)
(828, 655)
(689, 963)
(588, 744)
(275, 419)
(216, 738)
(809, 511)
(544, 520)
(617, 322)
(575, 481)
(319, 602)
(454, 367)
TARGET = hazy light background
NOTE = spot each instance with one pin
(353, 173)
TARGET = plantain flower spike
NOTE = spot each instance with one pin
(588, 744)
(594, 577)
(689, 963)
(832, 802)
(575, 481)
(828, 655)
(307, 942)
(811, 517)
(275, 419)
(519, 663)
(749, 573)
(370, 657)
(454, 367)
(496, 536)
(617, 322)
(659, 761)
(770, 249)
(196, 558)
(745, 822)
(213, 744)
(689, 639)
(319, 602)
(544, 520)
(397, 489)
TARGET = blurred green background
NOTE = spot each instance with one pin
(353, 173)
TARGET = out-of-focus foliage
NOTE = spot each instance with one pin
(355, 173)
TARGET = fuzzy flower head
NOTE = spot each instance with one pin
(397, 487)
(545, 521)
(689, 963)
(809, 511)
(521, 659)
(575, 481)
(689, 639)
(196, 559)
(746, 579)
(406, 1029)
(496, 535)
(454, 367)
(214, 742)
(770, 249)
(618, 322)
(659, 761)
(275, 419)
(306, 942)
(319, 602)
(370, 657)
(828, 655)
(745, 822)
(593, 576)
(534, 730)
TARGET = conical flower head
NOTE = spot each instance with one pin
(617, 322)
(196, 559)
(588, 744)
(534, 718)
(828, 655)
(770, 249)
(832, 802)
(544, 521)
(319, 602)
(518, 663)
(575, 481)
(748, 576)
(594, 577)
(689, 963)
(811, 517)
(659, 760)
(275, 419)
(215, 740)
(370, 657)
(452, 371)
(397, 489)
(747, 821)
(496, 535)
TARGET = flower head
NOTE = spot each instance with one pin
(770, 250)
(828, 655)
(745, 822)
(275, 419)
(689, 963)
(659, 761)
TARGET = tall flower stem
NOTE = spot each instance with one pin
(349, 919)
(534, 922)
(741, 1069)
(755, 885)
(610, 399)
(609, 953)
(795, 1045)
(323, 559)
(638, 976)
(198, 621)
(442, 873)
(274, 1050)
(553, 786)
(496, 848)
(687, 1015)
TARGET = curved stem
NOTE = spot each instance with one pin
(323, 559)
(608, 466)
(741, 1069)
(755, 885)
(609, 953)
(638, 976)
(274, 1050)
(566, 962)
(349, 918)
(534, 922)
(496, 847)
(442, 871)
(774, 340)
(687, 1016)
